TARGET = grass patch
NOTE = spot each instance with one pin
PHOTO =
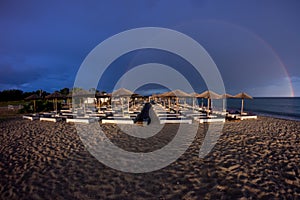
(14, 103)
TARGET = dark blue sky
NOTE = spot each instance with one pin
(255, 44)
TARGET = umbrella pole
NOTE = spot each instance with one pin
(169, 104)
(128, 104)
(208, 104)
(177, 106)
(122, 105)
(83, 107)
(56, 105)
(34, 105)
(242, 107)
(193, 103)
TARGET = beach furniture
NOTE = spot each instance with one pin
(243, 116)
(81, 120)
(117, 120)
(174, 120)
(31, 117)
(51, 119)
(169, 118)
(192, 114)
(210, 120)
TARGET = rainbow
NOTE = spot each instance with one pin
(266, 44)
(256, 36)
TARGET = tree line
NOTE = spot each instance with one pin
(18, 95)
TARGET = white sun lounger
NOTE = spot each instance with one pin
(210, 120)
(31, 117)
(81, 120)
(50, 119)
(117, 121)
(175, 120)
(243, 117)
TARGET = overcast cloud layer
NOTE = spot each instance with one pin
(255, 44)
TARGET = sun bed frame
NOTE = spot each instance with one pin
(51, 119)
(210, 120)
(31, 117)
(174, 120)
(81, 120)
(117, 120)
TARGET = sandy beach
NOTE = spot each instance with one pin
(257, 159)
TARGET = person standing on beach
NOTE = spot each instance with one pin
(144, 114)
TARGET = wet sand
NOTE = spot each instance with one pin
(252, 159)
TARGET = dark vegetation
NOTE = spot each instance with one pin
(17, 97)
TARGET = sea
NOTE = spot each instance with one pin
(279, 107)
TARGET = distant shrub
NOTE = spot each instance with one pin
(40, 106)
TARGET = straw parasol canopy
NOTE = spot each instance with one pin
(162, 94)
(194, 95)
(33, 97)
(224, 97)
(102, 95)
(177, 94)
(123, 92)
(69, 95)
(54, 96)
(82, 93)
(243, 96)
(209, 95)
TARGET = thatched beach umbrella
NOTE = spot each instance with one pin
(194, 96)
(55, 96)
(33, 97)
(224, 97)
(177, 94)
(162, 95)
(123, 92)
(209, 95)
(69, 97)
(243, 96)
(137, 96)
(101, 95)
(82, 94)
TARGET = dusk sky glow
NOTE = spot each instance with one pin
(255, 44)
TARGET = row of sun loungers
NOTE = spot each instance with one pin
(170, 118)
(241, 116)
(106, 115)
